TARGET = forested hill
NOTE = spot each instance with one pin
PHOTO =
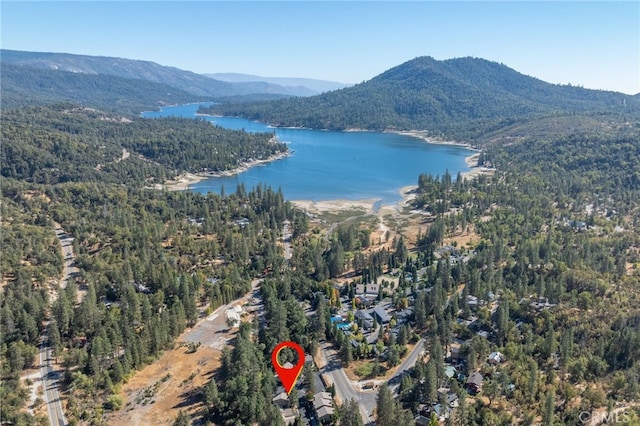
(23, 86)
(444, 96)
(65, 143)
(188, 81)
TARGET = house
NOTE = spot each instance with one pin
(495, 358)
(197, 222)
(453, 400)
(141, 288)
(474, 382)
(322, 399)
(579, 225)
(442, 413)
(454, 352)
(242, 222)
(472, 301)
(366, 301)
(470, 323)
(381, 315)
(373, 337)
(365, 319)
(442, 392)
(542, 304)
(289, 416)
(404, 316)
(323, 404)
(450, 371)
(484, 334)
(422, 420)
(281, 399)
(325, 413)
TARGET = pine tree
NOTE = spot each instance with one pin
(430, 385)
(350, 414)
(385, 407)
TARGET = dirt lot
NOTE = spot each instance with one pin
(156, 394)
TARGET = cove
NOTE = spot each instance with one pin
(330, 165)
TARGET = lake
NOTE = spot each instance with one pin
(330, 165)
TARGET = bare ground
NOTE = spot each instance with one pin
(150, 397)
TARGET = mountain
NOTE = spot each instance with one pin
(21, 86)
(142, 70)
(314, 85)
(448, 97)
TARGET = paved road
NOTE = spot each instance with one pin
(69, 270)
(48, 375)
(344, 388)
(409, 361)
(366, 400)
(49, 380)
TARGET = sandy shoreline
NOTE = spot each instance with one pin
(471, 160)
(424, 135)
(186, 180)
(324, 206)
(367, 205)
(476, 170)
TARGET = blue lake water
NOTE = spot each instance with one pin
(329, 165)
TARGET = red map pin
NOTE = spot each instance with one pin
(288, 376)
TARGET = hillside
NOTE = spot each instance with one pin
(193, 83)
(22, 86)
(447, 97)
(50, 145)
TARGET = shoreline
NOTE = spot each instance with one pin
(186, 180)
(372, 206)
(471, 160)
(423, 135)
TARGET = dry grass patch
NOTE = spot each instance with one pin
(156, 394)
(462, 239)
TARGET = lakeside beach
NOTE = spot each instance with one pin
(186, 180)
(367, 205)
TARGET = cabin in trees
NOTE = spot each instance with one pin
(365, 319)
(495, 358)
(323, 404)
(281, 400)
(289, 416)
(381, 315)
(474, 382)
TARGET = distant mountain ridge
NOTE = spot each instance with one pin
(188, 81)
(440, 96)
(317, 86)
(22, 86)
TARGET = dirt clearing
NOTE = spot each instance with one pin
(156, 394)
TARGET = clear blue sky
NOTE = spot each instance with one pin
(592, 44)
